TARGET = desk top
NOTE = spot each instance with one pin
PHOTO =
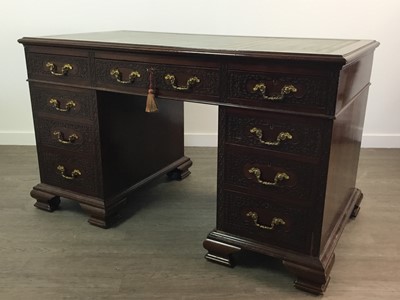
(271, 47)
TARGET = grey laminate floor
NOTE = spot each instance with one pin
(155, 251)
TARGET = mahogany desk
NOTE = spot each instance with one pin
(291, 115)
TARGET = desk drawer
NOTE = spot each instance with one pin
(58, 68)
(122, 75)
(188, 82)
(252, 171)
(280, 91)
(263, 220)
(71, 171)
(67, 103)
(66, 135)
(171, 81)
(274, 131)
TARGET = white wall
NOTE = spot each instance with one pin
(364, 19)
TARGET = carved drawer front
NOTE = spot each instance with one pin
(184, 82)
(264, 221)
(66, 103)
(275, 132)
(251, 171)
(66, 135)
(70, 171)
(58, 68)
(281, 91)
(122, 75)
(167, 80)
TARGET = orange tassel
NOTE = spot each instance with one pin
(151, 105)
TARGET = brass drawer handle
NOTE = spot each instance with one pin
(74, 174)
(60, 137)
(189, 83)
(275, 221)
(116, 74)
(281, 137)
(278, 177)
(286, 89)
(53, 69)
(56, 104)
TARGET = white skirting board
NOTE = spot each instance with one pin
(201, 139)
(208, 139)
(17, 138)
(381, 140)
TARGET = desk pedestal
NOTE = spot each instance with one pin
(118, 151)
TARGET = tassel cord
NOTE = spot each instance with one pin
(151, 105)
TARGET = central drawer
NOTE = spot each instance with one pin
(122, 75)
(195, 82)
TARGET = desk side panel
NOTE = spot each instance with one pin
(346, 142)
(343, 165)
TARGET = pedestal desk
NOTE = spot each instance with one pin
(291, 115)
